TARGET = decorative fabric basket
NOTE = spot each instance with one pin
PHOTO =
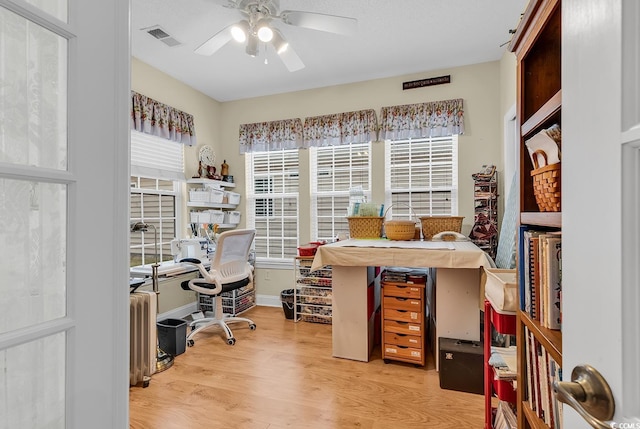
(432, 225)
(546, 184)
(365, 226)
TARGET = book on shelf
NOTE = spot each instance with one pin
(505, 417)
(541, 276)
(554, 280)
(541, 372)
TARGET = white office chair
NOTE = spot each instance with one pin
(229, 270)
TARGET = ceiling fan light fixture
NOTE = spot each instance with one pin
(265, 33)
(279, 42)
(239, 31)
(252, 45)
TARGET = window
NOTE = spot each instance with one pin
(156, 166)
(153, 201)
(334, 171)
(272, 203)
(422, 175)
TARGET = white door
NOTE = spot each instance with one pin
(64, 150)
(601, 195)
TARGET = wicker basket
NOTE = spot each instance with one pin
(365, 226)
(431, 225)
(401, 230)
(546, 184)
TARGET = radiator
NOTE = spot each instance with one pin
(142, 342)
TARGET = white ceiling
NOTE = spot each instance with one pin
(394, 37)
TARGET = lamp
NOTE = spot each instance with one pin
(163, 360)
(264, 32)
(239, 31)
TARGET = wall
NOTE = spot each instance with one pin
(206, 112)
(479, 86)
(508, 109)
(483, 87)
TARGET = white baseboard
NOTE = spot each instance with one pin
(268, 300)
(180, 312)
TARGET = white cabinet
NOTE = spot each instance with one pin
(213, 203)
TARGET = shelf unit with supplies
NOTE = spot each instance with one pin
(217, 205)
(537, 46)
(313, 292)
(484, 233)
(494, 384)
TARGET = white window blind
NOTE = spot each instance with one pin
(272, 203)
(153, 156)
(422, 174)
(157, 165)
(334, 171)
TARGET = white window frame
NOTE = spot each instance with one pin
(338, 221)
(155, 160)
(277, 191)
(415, 183)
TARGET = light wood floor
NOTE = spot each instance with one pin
(282, 375)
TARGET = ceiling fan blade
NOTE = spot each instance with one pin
(216, 42)
(291, 60)
(232, 4)
(319, 21)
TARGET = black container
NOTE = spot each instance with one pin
(287, 297)
(172, 336)
(461, 365)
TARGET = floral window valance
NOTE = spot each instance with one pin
(340, 128)
(433, 119)
(274, 135)
(152, 117)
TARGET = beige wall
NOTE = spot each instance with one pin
(482, 86)
(205, 110)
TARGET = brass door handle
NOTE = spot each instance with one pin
(589, 394)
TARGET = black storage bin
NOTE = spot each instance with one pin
(172, 336)
(287, 298)
(461, 365)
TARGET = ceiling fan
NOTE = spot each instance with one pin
(257, 26)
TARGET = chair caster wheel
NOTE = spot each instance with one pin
(252, 326)
(190, 343)
(231, 341)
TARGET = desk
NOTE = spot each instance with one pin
(457, 271)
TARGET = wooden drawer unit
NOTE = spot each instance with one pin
(403, 322)
(406, 304)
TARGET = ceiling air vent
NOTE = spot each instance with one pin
(162, 36)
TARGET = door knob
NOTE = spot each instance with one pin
(589, 394)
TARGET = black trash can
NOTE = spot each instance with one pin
(287, 298)
(172, 336)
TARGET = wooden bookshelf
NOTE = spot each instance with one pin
(537, 46)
